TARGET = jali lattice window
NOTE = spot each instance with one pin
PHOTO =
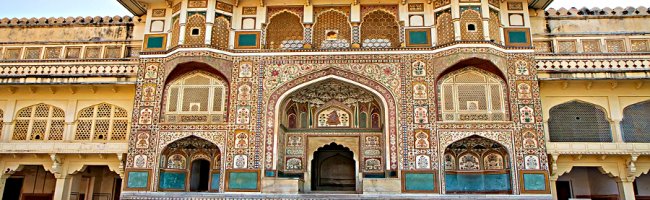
(471, 94)
(102, 122)
(284, 31)
(380, 29)
(221, 32)
(636, 122)
(39, 122)
(196, 93)
(578, 122)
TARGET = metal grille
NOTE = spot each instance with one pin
(636, 122)
(578, 122)
(102, 122)
(39, 122)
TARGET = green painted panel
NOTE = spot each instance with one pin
(517, 37)
(363, 120)
(215, 181)
(477, 182)
(155, 42)
(418, 37)
(137, 180)
(419, 181)
(535, 182)
(242, 181)
(247, 40)
(172, 180)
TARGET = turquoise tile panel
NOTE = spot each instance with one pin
(418, 37)
(477, 182)
(517, 37)
(242, 181)
(419, 181)
(215, 181)
(247, 40)
(137, 180)
(172, 180)
(155, 42)
(535, 182)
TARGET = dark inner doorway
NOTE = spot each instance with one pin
(200, 176)
(333, 169)
(563, 190)
(13, 186)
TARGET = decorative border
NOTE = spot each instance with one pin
(408, 37)
(257, 42)
(256, 171)
(125, 186)
(146, 42)
(523, 190)
(436, 178)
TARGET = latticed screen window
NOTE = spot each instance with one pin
(102, 122)
(578, 122)
(636, 122)
(471, 94)
(196, 93)
(39, 122)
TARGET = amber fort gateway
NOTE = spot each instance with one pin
(201, 99)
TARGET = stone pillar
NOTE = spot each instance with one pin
(62, 188)
(617, 134)
(625, 189)
(552, 181)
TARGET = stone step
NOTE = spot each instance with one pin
(316, 196)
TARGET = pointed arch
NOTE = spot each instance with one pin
(636, 122)
(380, 29)
(578, 121)
(102, 121)
(284, 27)
(39, 122)
(331, 19)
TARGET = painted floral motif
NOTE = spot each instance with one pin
(531, 162)
(421, 140)
(468, 162)
(140, 161)
(295, 141)
(143, 141)
(493, 161)
(241, 161)
(241, 140)
(245, 69)
(421, 116)
(419, 68)
(526, 114)
(145, 116)
(372, 141)
(149, 92)
(244, 92)
(151, 71)
(176, 161)
(243, 115)
(450, 162)
(294, 164)
(521, 68)
(422, 162)
(419, 91)
(523, 91)
(373, 164)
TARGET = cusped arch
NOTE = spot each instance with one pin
(579, 121)
(488, 63)
(283, 26)
(635, 125)
(39, 122)
(486, 136)
(102, 121)
(279, 95)
(180, 65)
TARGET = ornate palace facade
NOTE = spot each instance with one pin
(211, 98)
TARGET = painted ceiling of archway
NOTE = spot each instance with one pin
(321, 93)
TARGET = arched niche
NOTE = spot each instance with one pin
(183, 164)
(578, 121)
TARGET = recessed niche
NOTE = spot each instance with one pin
(471, 27)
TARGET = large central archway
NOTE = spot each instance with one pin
(190, 164)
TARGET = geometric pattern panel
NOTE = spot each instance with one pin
(578, 122)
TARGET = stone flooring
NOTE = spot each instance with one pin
(206, 196)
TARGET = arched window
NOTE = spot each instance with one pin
(221, 32)
(380, 29)
(332, 30)
(495, 25)
(285, 31)
(636, 122)
(39, 122)
(471, 25)
(444, 27)
(471, 94)
(176, 31)
(195, 29)
(578, 122)
(197, 93)
(102, 122)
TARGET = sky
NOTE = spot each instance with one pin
(75, 8)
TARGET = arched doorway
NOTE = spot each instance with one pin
(333, 169)
(200, 175)
(190, 164)
(477, 165)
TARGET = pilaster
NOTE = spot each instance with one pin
(626, 189)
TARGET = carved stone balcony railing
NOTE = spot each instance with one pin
(63, 147)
